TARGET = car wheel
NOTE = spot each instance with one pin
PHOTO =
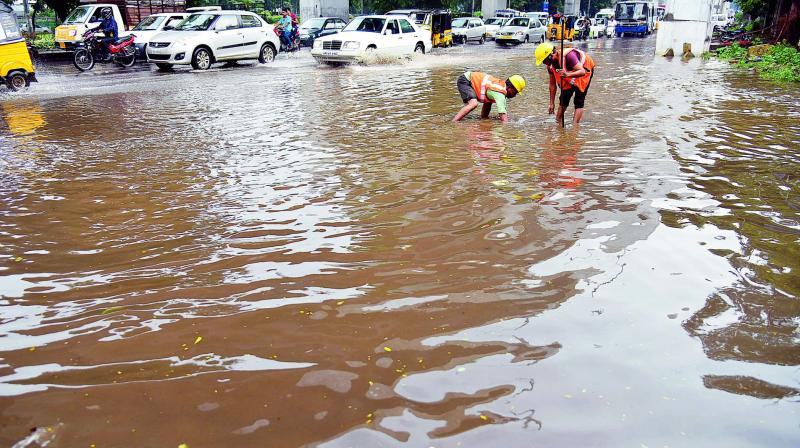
(267, 54)
(164, 67)
(482, 40)
(201, 59)
(419, 49)
(17, 81)
(527, 38)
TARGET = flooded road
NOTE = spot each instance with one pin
(290, 255)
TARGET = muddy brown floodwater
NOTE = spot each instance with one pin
(293, 255)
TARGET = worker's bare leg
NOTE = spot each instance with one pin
(468, 107)
(560, 115)
(578, 116)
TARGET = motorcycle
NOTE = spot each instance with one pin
(294, 37)
(122, 51)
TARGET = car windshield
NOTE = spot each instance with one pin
(519, 21)
(495, 21)
(150, 23)
(366, 24)
(79, 15)
(312, 24)
(459, 23)
(196, 22)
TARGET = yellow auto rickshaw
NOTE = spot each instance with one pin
(441, 22)
(559, 23)
(16, 68)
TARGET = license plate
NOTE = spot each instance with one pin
(62, 44)
(505, 37)
(330, 53)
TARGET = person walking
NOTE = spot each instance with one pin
(479, 87)
(572, 72)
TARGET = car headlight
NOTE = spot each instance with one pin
(73, 33)
(351, 45)
(317, 44)
(519, 33)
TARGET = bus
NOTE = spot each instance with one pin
(635, 18)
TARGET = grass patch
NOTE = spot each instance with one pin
(780, 64)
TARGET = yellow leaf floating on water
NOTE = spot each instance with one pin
(183, 445)
(484, 418)
(32, 349)
(340, 302)
(18, 259)
(198, 339)
(113, 309)
(500, 183)
(387, 349)
(567, 395)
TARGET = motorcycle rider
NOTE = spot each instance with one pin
(109, 28)
(285, 27)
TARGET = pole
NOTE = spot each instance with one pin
(561, 62)
(28, 20)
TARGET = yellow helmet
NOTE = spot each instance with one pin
(518, 82)
(544, 50)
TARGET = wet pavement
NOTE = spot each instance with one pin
(288, 255)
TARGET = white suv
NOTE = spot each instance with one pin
(214, 36)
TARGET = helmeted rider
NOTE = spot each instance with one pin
(109, 28)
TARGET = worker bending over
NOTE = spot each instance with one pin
(478, 87)
(574, 79)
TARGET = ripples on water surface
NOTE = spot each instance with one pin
(298, 255)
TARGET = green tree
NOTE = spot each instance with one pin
(62, 8)
(755, 8)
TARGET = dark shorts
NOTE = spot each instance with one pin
(465, 89)
(580, 97)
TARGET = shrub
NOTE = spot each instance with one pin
(44, 42)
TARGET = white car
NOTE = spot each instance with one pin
(492, 25)
(214, 36)
(393, 36)
(39, 29)
(521, 30)
(720, 20)
(598, 28)
(152, 25)
(542, 16)
(467, 29)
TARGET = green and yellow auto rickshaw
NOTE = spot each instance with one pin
(16, 68)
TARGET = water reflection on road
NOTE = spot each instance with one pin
(291, 254)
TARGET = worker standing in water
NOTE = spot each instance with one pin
(572, 71)
(478, 87)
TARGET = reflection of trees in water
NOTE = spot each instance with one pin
(754, 179)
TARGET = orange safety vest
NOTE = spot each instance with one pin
(583, 82)
(481, 83)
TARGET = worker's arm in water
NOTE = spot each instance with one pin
(486, 110)
(468, 107)
(500, 100)
(553, 90)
